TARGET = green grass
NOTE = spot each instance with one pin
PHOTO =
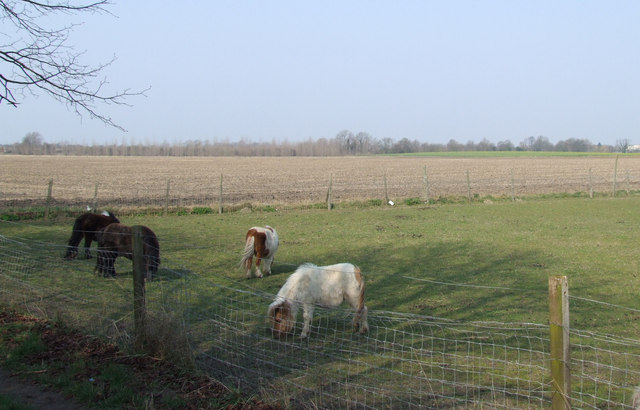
(11, 403)
(503, 244)
(480, 262)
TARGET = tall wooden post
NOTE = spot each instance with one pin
(468, 187)
(386, 193)
(329, 192)
(166, 198)
(425, 182)
(513, 186)
(139, 310)
(559, 339)
(48, 201)
(220, 196)
(615, 176)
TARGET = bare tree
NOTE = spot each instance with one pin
(622, 145)
(38, 58)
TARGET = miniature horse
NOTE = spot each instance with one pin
(263, 244)
(89, 226)
(312, 285)
(117, 240)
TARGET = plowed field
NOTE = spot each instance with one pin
(279, 180)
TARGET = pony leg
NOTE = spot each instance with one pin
(72, 252)
(259, 269)
(112, 266)
(267, 265)
(360, 322)
(100, 262)
(87, 247)
(247, 267)
(307, 315)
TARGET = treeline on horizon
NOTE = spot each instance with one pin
(344, 143)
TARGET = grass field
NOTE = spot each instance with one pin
(503, 253)
(483, 263)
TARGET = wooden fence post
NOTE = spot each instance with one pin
(329, 192)
(48, 201)
(386, 193)
(425, 181)
(590, 185)
(220, 196)
(513, 186)
(139, 311)
(615, 176)
(166, 198)
(559, 340)
(468, 187)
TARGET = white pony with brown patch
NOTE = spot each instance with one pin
(263, 244)
(312, 285)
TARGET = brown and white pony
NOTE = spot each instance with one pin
(117, 240)
(88, 226)
(263, 244)
(312, 285)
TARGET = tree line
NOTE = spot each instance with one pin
(344, 143)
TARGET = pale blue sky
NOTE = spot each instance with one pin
(293, 70)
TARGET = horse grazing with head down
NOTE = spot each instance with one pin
(117, 240)
(88, 226)
(263, 244)
(312, 285)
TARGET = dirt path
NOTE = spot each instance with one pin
(34, 395)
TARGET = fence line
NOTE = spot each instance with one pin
(234, 189)
(406, 360)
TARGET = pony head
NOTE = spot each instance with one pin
(281, 317)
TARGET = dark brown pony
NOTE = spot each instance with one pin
(89, 226)
(117, 240)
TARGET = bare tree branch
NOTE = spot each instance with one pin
(40, 59)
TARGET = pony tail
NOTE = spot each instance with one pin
(248, 251)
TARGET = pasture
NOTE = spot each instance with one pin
(429, 268)
(484, 263)
(503, 252)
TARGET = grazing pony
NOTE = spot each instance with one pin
(117, 240)
(312, 285)
(263, 244)
(89, 226)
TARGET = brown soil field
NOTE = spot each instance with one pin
(144, 181)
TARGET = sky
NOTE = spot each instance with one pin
(431, 71)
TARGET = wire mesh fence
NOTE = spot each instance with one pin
(404, 361)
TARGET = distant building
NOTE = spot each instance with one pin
(633, 148)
